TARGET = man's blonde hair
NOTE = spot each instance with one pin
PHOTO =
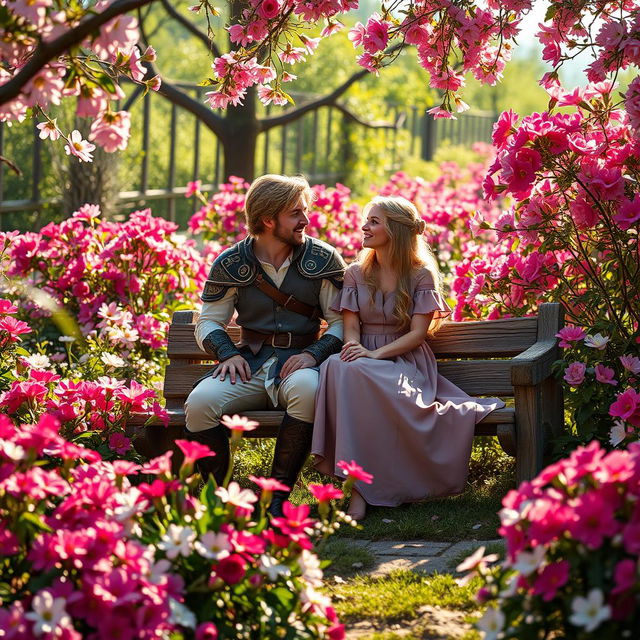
(270, 194)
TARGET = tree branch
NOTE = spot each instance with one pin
(47, 51)
(377, 124)
(323, 101)
(212, 47)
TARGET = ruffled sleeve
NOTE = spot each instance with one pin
(347, 297)
(427, 300)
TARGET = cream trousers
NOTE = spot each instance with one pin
(214, 398)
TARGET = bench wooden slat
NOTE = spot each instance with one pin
(270, 420)
(488, 338)
(476, 377)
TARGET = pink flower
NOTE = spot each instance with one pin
(49, 129)
(594, 518)
(231, 569)
(568, 335)
(628, 213)
(14, 328)
(239, 423)
(269, 484)
(295, 521)
(504, 128)
(605, 375)
(631, 363)
(354, 470)
(519, 170)
(624, 575)
(78, 147)
(268, 9)
(207, 631)
(194, 451)
(440, 112)
(192, 188)
(325, 492)
(574, 373)
(550, 579)
(119, 443)
(625, 404)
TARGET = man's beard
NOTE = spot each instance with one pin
(288, 237)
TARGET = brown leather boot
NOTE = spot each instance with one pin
(292, 449)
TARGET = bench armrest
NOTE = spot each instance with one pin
(533, 366)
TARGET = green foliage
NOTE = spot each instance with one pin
(400, 595)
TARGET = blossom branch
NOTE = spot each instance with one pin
(47, 51)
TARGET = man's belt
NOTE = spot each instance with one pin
(285, 300)
(286, 340)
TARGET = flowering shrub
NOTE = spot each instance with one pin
(332, 217)
(602, 387)
(573, 544)
(110, 549)
(121, 281)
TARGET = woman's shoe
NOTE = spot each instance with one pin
(357, 506)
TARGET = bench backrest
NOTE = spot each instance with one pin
(473, 355)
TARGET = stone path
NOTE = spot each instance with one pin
(417, 555)
(432, 623)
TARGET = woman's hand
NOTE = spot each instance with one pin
(353, 350)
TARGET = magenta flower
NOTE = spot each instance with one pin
(550, 579)
(269, 484)
(605, 375)
(194, 450)
(354, 470)
(207, 631)
(625, 404)
(119, 443)
(231, 569)
(574, 373)
(325, 492)
(595, 518)
(570, 334)
(192, 188)
(14, 328)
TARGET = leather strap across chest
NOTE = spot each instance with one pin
(286, 301)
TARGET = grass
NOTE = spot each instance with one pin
(398, 596)
(343, 554)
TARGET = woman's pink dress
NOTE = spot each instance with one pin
(397, 418)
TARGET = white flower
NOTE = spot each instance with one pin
(11, 450)
(112, 360)
(177, 541)
(491, 623)
(617, 434)
(597, 341)
(67, 339)
(527, 562)
(37, 361)
(272, 568)
(310, 566)
(508, 517)
(233, 494)
(129, 504)
(214, 546)
(180, 615)
(589, 612)
(48, 613)
(312, 599)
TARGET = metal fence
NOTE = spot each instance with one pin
(173, 147)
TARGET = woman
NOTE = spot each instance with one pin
(381, 401)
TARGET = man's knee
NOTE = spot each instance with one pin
(203, 408)
(298, 393)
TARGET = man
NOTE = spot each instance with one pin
(281, 283)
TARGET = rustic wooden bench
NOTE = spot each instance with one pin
(509, 358)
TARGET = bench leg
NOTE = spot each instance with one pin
(529, 432)
(552, 411)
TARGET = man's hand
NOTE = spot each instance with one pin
(353, 350)
(234, 366)
(299, 361)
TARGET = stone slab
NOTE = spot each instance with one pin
(407, 548)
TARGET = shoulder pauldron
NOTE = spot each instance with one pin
(234, 267)
(320, 260)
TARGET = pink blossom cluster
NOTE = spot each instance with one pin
(604, 376)
(108, 52)
(121, 281)
(573, 543)
(333, 217)
(115, 549)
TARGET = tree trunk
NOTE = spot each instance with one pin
(241, 128)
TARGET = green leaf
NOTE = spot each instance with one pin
(35, 520)
(551, 12)
(106, 83)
